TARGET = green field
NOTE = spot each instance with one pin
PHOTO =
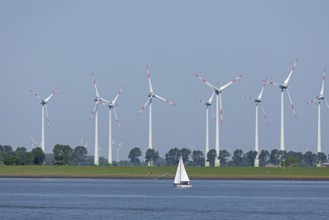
(297, 173)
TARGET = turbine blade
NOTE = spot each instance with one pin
(165, 100)
(311, 101)
(205, 81)
(264, 114)
(47, 116)
(272, 83)
(116, 118)
(322, 88)
(250, 98)
(94, 82)
(51, 95)
(116, 97)
(200, 100)
(36, 95)
(292, 105)
(291, 71)
(94, 110)
(229, 83)
(261, 92)
(325, 101)
(220, 108)
(149, 78)
(143, 107)
(213, 113)
(212, 96)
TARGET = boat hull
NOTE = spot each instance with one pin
(183, 185)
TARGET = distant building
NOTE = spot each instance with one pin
(325, 165)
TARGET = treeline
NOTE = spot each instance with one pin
(238, 158)
(62, 155)
(65, 155)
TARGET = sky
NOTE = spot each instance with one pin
(46, 44)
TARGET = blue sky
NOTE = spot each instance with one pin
(45, 44)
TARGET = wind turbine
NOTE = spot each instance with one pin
(118, 145)
(151, 95)
(98, 100)
(258, 102)
(207, 104)
(35, 143)
(83, 144)
(44, 103)
(319, 98)
(111, 106)
(218, 91)
(284, 87)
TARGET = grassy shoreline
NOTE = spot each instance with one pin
(111, 172)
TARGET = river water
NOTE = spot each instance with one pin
(157, 199)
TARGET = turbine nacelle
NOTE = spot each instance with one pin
(283, 86)
(151, 94)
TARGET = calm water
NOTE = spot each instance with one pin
(157, 199)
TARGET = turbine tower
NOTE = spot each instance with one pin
(98, 100)
(44, 103)
(258, 102)
(151, 95)
(319, 99)
(207, 104)
(218, 91)
(284, 87)
(111, 106)
(118, 145)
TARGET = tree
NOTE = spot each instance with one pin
(185, 154)
(237, 157)
(321, 158)
(290, 162)
(9, 157)
(38, 156)
(63, 154)
(309, 158)
(80, 154)
(23, 157)
(1, 155)
(274, 157)
(151, 156)
(172, 157)
(295, 158)
(282, 156)
(134, 155)
(197, 158)
(211, 156)
(263, 157)
(249, 158)
(223, 155)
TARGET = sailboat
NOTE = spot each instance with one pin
(181, 179)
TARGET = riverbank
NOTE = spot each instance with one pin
(222, 173)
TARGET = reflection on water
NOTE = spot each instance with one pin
(158, 199)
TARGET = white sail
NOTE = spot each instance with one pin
(181, 175)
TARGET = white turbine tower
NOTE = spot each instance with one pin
(319, 98)
(284, 87)
(118, 145)
(111, 106)
(98, 100)
(258, 102)
(44, 103)
(218, 91)
(207, 104)
(149, 102)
